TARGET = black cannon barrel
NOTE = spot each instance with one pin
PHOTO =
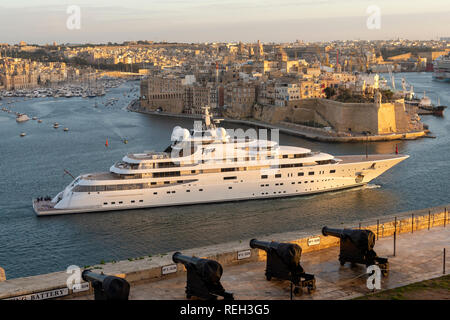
(90, 276)
(364, 239)
(177, 257)
(289, 253)
(208, 270)
(263, 245)
(339, 233)
(112, 287)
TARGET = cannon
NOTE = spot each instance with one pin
(356, 246)
(283, 262)
(203, 278)
(107, 287)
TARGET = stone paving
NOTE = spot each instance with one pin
(419, 256)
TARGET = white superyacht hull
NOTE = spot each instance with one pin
(352, 171)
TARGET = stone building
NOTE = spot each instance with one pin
(166, 93)
(239, 97)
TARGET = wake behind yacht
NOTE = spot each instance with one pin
(207, 165)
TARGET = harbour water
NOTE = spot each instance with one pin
(34, 166)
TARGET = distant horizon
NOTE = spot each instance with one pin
(206, 21)
(215, 42)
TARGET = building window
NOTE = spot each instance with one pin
(301, 174)
(264, 177)
(229, 178)
(278, 175)
(311, 173)
(332, 171)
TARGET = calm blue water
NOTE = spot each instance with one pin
(33, 166)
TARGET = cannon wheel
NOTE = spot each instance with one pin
(385, 269)
(311, 285)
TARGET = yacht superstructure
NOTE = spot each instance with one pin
(208, 165)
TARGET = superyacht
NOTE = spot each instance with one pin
(205, 165)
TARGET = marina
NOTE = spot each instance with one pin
(48, 244)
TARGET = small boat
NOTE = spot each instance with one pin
(56, 125)
(22, 118)
(66, 129)
(39, 121)
(34, 118)
(23, 134)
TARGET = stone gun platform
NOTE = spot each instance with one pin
(419, 256)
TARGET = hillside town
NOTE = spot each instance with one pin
(341, 88)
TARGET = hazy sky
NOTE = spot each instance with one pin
(44, 21)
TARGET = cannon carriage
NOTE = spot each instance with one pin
(283, 262)
(203, 278)
(356, 247)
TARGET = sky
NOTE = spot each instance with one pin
(101, 21)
